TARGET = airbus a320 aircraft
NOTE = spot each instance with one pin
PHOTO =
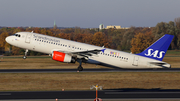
(70, 51)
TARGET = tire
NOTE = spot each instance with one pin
(80, 68)
(24, 57)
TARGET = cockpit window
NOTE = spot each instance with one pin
(17, 35)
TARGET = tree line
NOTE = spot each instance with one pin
(134, 39)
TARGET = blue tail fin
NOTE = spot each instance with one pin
(158, 49)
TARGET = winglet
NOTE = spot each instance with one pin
(158, 49)
(103, 50)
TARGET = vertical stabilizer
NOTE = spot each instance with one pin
(158, 49)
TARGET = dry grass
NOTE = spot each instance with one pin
(173, 60)
(48, 63)
(83, 81)
(80, 81)
(39, 63)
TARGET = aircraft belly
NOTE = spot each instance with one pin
(112, 61)
(141, 63)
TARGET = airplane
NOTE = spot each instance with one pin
(63, 50)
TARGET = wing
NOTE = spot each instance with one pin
(84, 54)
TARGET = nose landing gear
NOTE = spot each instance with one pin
(26, 51)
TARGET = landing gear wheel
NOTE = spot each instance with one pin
(24, 57)
(80, 68)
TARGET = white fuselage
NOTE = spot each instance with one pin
(47, 44)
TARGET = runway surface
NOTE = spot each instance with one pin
(85, 70)
(127, 94)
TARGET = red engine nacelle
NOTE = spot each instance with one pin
(62, 57)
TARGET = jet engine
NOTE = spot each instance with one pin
(62, 57)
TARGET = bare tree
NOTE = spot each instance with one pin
(177, 22)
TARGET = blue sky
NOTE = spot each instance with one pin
(87, 13)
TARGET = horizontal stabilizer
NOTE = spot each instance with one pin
(157, 63)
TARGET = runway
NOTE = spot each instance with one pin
(127, 94)
(85, 70)
(106, 95)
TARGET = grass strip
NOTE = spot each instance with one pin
(83, 81)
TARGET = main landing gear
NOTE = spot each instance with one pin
(24, 57)
(80, 68)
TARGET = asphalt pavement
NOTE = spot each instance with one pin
(86, 70)
(127, 94)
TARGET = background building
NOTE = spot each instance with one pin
(116, 27)
(55, 26)
(101, 26)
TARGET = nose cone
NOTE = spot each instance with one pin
(11, 40)
(8, 39)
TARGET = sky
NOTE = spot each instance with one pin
(87, 13)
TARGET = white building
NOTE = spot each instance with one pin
(101, 26)
(116, 27)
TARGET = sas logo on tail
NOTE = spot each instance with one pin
(156, 53)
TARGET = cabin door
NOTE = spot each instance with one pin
(28, 37)
(135, 62)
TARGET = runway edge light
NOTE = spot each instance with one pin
(96, 87)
